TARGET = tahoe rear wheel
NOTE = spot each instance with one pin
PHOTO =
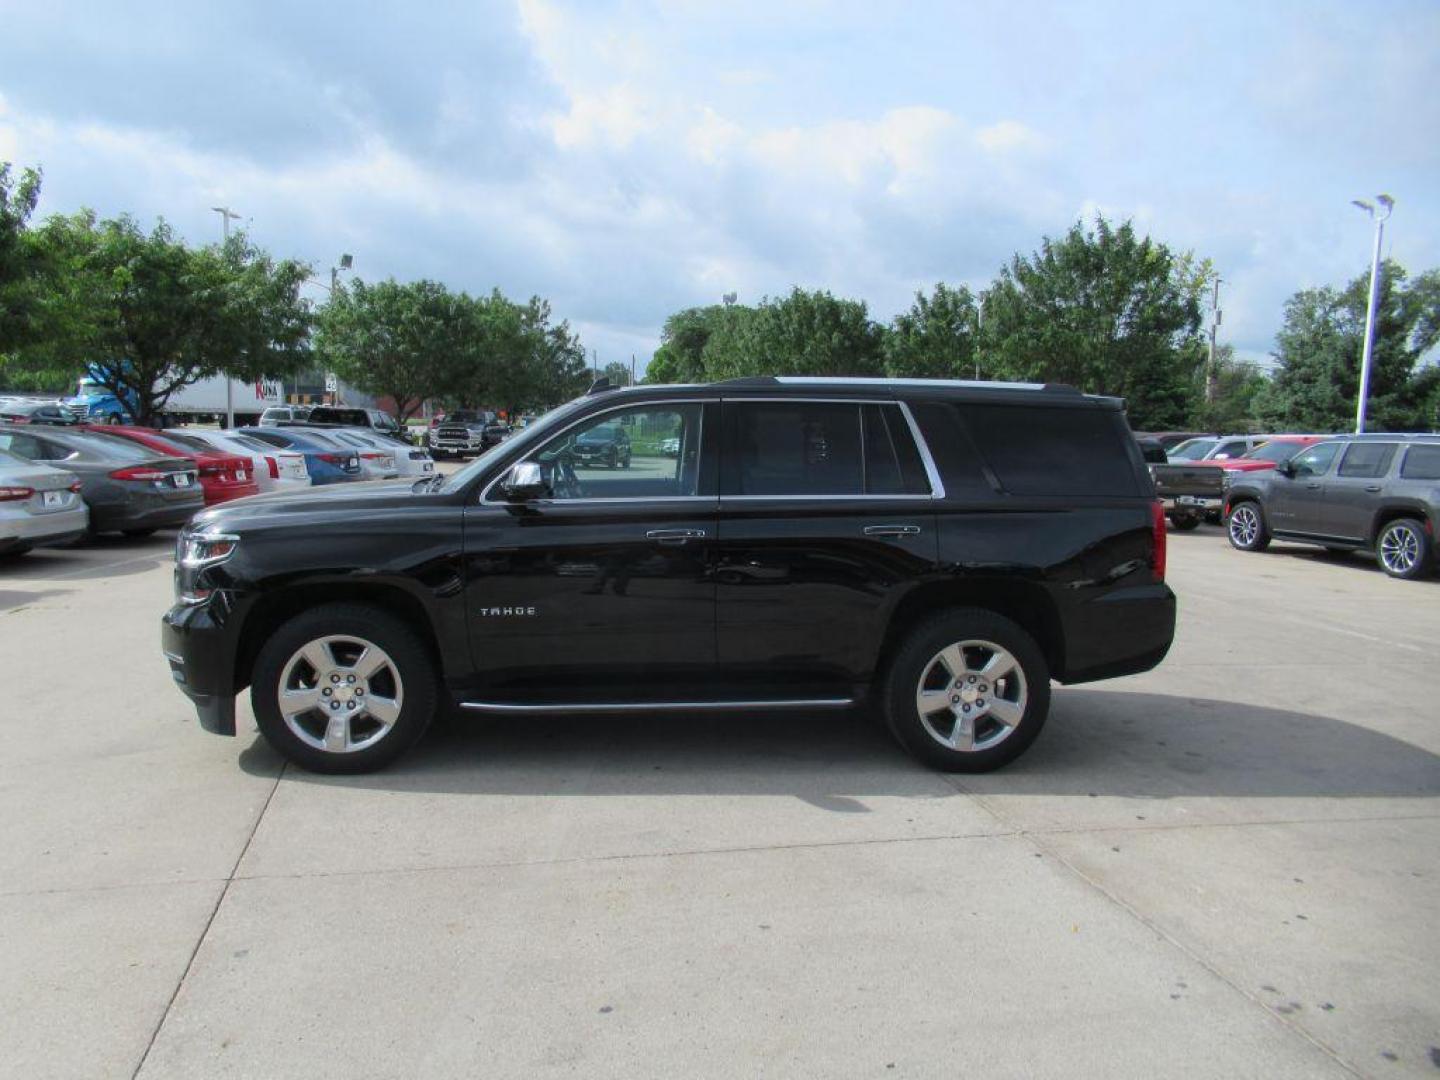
(968, 691)
(343, 688)
(1247, 527)
(1404, 549)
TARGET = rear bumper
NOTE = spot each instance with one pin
(58, 527)
(112, 517)
(1122, 632)
(1193, 504)
(222, 492)
(201, 653)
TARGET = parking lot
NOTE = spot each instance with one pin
(1226, 867)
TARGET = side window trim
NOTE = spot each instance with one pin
(485, 499)
(932, 474)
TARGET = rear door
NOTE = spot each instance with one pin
(1352, 495)
(1296, 503)
(825, 508)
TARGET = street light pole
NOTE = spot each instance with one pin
(1387, 204)
(225, 215)
(1211, 376)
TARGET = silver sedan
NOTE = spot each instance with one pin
(38, 505)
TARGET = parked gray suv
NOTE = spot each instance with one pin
(1378, 493)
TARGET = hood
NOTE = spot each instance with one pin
(1247, 465)
(311, 505)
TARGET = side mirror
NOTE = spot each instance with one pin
(1286, 469)
(525, 482)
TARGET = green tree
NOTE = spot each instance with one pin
(1319, 348)
(18, 269)
(935, 339)
(148, 315)
(1237, 385)
(681, 356)
(1106, 311)
(804, 333)
(402, 341)
(617, 372)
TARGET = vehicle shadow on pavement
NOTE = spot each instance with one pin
(1137, 745)
(96, 557)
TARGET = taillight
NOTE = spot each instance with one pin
(1157, 526)
(137, 472)
(15, 494)
(274, 467)
(332, 459)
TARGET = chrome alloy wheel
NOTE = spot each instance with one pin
(1244, 525)
(1399, 549)
(971, 696)
(340, 694)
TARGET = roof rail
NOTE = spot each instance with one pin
(751, 380)
(599, 386)
(1061, 388)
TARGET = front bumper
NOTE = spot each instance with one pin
(200, 653)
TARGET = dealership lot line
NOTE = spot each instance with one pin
(1223, 867)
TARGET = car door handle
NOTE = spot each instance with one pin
(891, 530)
(1372, 487)
(675, 536)
(1313, 487)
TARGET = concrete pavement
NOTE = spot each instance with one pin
(1227, 867)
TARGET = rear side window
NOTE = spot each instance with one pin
(1367, 460)
(892, 461)
(1421, 463)
(792, 448)
(1039, 450)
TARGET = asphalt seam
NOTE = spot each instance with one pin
(209, 921)
(1038, 839)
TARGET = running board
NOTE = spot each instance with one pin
(658, 706)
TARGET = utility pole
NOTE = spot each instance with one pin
(225, 215)
(632, 369)
(1387, 205)
(1212, 378)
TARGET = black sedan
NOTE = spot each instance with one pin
(128, 489)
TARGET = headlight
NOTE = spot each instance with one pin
(195, 550)
(1227, 478)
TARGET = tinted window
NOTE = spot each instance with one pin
(1367, 460)
(1039, 450)
(954, 451)
(1275, 451)
(1421, 463)
(792, 448)
(1192, 449)
(26, 446)
(892, 461)
(1316, 460)
(1233, 448)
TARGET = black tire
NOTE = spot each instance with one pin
(1246, 527)
(1404, 550)
(918, 659)
(613, 461)
(137, 534)
(418, 689)
(626, 463)
(1184, 522)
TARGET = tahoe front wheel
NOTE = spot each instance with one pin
(343, 688)
(968, 691)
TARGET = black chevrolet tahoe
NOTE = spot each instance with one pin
(938, 552)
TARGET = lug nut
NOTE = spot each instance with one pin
(359, 691)
(350, 704)
(983, 688)
(334, 678)
(334, 704)
(326, 691)
(964, 708)
(971, 679)
(350, 678)
(954, 699)
(980, 704)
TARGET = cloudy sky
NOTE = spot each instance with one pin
(628, 159)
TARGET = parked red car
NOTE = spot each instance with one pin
(222, 476)
(1275, 450)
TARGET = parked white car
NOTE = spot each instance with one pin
(274, 469)
(38, 505)
(409, 460)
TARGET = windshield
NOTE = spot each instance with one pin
(1278, 452)
(532, 434)
(1192, 449)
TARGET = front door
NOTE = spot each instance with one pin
(1296, 503)
(602, 589)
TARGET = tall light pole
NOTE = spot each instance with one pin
(225, 215)
(1387, 204)
(1211, 376)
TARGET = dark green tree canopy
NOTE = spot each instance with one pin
(150, 315)
(935, 339)
(1106, 311)
(1317, 382)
